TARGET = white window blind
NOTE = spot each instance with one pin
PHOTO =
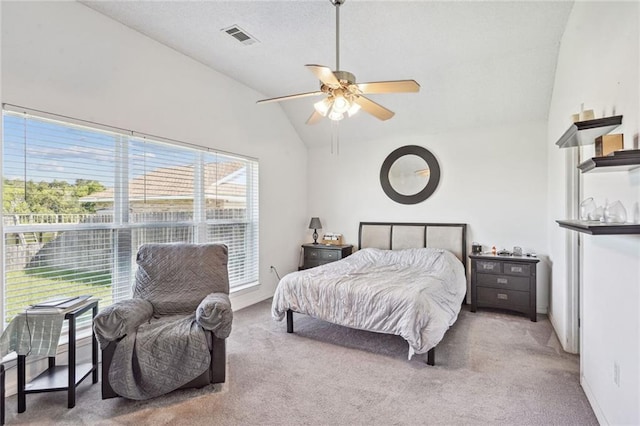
(79, 200)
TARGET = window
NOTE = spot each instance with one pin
(79, 200)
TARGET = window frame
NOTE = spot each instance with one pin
(122, 271)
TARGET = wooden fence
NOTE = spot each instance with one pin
(92, 249)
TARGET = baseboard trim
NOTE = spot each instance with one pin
(561, 339)
(602, 419)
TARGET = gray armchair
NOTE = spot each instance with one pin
(172, 333)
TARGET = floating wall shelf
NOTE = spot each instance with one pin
(599, 228)
(585, 132)
(620, 160)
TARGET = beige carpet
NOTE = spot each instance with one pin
(491, 368)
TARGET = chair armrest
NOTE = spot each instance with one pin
(214, 314)
(117, 320)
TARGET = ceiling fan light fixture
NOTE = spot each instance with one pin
(340, 103)
(335, 115)
(353, 109)
(323, 106)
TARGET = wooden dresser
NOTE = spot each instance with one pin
(319, 254)
(504, 282)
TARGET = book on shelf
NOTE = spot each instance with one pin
(58, 305)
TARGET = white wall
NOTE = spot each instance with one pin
(493, 179)
(64, 58)
(598, 65)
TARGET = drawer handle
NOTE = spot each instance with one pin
(313, 254)
(503, 296)
(503, 281)
(488, 266)
(516, 269)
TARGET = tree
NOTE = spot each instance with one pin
(56, 197)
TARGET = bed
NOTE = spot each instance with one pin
(407, 279)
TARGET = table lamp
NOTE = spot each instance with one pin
(315, 225)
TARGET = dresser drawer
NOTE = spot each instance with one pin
(520, 269)
(318, 254)
(489, 266)
(503, 281)
(508, 299)
(323, 254)
(312, 263)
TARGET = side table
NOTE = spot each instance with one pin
(319, 254)
(504, 282)
(61, 377)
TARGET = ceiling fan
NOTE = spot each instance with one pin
(343, 94)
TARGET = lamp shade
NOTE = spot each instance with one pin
(315, 223)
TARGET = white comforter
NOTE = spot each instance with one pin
(413, 293)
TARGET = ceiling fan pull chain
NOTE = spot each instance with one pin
(335, 137)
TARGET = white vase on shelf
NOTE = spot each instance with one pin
(587, 207)
(597, 214)
(615, 213)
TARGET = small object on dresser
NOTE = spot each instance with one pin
(476, 247)
(607, 144)
(517, 251)
(493, 250)
(315, 225)
(332, 239)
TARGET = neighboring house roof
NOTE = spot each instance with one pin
(222, 181)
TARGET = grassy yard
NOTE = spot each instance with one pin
(49, 283)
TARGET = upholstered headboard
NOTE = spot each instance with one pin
(396, 236)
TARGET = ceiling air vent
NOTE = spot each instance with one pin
(241, 35)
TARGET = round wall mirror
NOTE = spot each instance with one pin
(410, 174)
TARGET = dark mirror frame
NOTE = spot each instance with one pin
(434, 174)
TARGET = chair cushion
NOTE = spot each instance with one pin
(175, 278)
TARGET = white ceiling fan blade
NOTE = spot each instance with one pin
(373, 108)
(286, 98)
(314, 118)
(324, 74)
(398, 86)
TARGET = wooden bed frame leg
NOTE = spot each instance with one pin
(431, 356)
(289, 321)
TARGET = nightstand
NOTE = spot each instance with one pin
(504, 282)
(319, 254)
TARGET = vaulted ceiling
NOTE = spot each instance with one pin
(479, 63)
